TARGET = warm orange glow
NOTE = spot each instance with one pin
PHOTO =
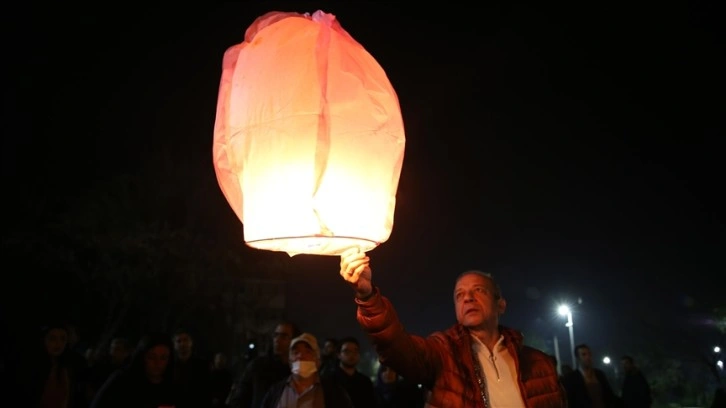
(308, 139)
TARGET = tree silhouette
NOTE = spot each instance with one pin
(138, 251)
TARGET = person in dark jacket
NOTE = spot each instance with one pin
(475, 363)
(358, 385)
(147, 382)
(588, 387)
(54, 377)
(264, 371)
(636, 390)
(304, 386)
(393, 391)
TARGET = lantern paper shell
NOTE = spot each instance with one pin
(309, 138)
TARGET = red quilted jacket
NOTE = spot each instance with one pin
(444, 363)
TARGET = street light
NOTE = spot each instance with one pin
(606, 360)
(564, 310)
(557, 355)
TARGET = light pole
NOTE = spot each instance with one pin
(564, 310)
(557, 356)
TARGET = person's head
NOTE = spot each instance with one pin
(478, 300)
(152, 358)
(627, 364)
(90, 355)
(386, 374)
(583, 355)
(330, 347)
(304, 356)
(220, 361)
(55, 339)
(119, 350)
(281, 337)
(73, 336)
(349, 354)
(183, 344)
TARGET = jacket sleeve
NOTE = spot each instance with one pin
(272, 397)
(241, 395)
(417, 359)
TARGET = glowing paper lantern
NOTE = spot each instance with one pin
(308, 139)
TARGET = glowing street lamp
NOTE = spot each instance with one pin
(564, 310)
(308, 138)
(607, 361)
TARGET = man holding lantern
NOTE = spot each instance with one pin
(475, 363)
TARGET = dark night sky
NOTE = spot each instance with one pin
(571, 152)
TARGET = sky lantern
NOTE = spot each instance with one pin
(309, 139)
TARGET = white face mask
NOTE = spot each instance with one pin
(304, 368)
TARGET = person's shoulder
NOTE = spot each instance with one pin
(329, 381)
(200, 362)
(120, 374)
(536, 353)
(454, 332)
(335, 392)
(573, 375)
(273, 393)
(539, 362)
(255, 364)
(599, 371)
(363, 378)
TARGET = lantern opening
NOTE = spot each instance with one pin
(312, 244)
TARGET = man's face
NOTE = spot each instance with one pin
(349, 354)
(118, 351)
(329, 349)
(584, 356)
(302, 352)
(389, 375)
(627, 365)
(477, 302)
(55, 342)
(281, 338)
(183, 345)
(220, 361)
(155, 362)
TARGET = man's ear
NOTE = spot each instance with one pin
(501, 305)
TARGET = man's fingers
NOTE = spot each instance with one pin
(360, 269)
(347, 260)
(354, 275)
(353, 262)
(354, 265)
(350, 255)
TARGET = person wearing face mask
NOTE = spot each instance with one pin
(304, 386)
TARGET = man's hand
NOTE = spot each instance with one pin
(355, 269)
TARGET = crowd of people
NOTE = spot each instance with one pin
(476, 362)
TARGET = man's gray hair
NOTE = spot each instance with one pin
(498, 290)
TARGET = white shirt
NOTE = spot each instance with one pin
(501, 375)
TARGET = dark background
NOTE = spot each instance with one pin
(574, 152)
